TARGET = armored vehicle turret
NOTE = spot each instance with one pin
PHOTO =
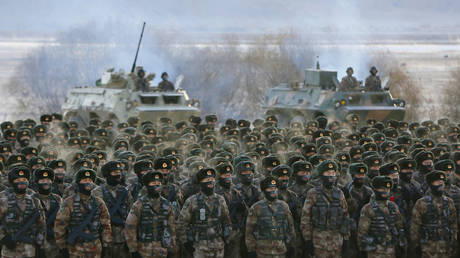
(322, 95)
(116, 97)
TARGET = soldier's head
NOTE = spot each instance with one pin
(141, 73)
(269, 188)
(373, 70)
(19, 177)
(358, 172)
(328, 172)
(141, 167)
(44, 177)
(349, 71)
(112, 172)
(59, 168)
(282, 173)
(302, 171)
(436, 181)
(153, 181)
(392, 171)
(224, 172)
(163, 165)
(206, 178)
(382, 186)
(245, 170)
(406, 169)
(164, 76)
(85, 179)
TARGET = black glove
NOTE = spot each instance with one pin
(8, 242)
(136, 255)
(189, 247)
(252, 255)
(345, 246)
(309, 247)
(64, 253)
(39, 252)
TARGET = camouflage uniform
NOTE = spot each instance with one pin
(270, 227)
(50, 204)
(111, 195)
(373, 83)
(203, 221)
(349, 83)
(434, 223)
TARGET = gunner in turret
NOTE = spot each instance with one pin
(165, 85)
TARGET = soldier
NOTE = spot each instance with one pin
(165, 85)
(434, 220)
(301, 171)
(118, 201)
(373, 82)
(59, 168)
(150, 228)
(425, 165)
(23, 226)
(349, 82)
(140, 82)
(83, 220)
(236, 207)
(141, 167)
(270, 227)
(325, 222)
(50, 203)
(380, 229)
(204, 223)
(357, 195)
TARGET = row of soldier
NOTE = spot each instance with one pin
(243, 189)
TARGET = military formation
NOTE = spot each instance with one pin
(229, 188)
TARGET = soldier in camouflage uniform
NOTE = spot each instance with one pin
(150, 226)
(434, 220)
(118, 201)
(325, 222)
(204, 223)
(380, 229)
(236, 208)
(357, 195)
(282, 173)
(349, 82)
(373, 82)
(270, 227)
(23, 226)
(82, 227)
(425, 165)
(50, 203)
(302, 174)
(59, 168)
(141, 167)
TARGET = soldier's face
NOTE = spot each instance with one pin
(349, 72)
(154, 183)
(438, 182)
(330, 173)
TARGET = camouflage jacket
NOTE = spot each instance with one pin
(62, 224)
(373, 83)
(349, 83)
(257, 241)
(134, 220)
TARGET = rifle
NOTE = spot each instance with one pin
(18, 236)
(138, 46)
(79, 230)
(116, 220)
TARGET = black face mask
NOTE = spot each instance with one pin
(425, 169)
(271, 195)
(44, 188)
(154, 191)
(24, 142)
(225, 182)
(85, 188)
(457, 169)
(114, 180)
(328, 181)
(358, 181)
(381, 196)
(395, 182)
(59, 178)
(283, 184)
(373, 173)
(303, 179)
(246, 179)
(207, 187)
(405, 176)
(20, 187)
(437, 190)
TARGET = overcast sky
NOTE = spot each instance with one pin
(230, 15)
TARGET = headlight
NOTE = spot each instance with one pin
(343, 102)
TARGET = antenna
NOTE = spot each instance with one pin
(138, 46)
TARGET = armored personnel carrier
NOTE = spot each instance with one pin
(321, 94)
(115, 97)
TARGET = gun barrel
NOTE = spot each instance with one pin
(138, 46)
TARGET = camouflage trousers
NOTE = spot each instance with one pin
(51, 249)
(86, 250)
(21, 250)
(152, 249)
(232, 249)
(208, 254)
(436, 249)
(327, 243)
(382, 252)
(271, 255)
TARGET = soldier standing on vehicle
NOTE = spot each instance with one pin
(434, 220)
(118, 201)
(165, 85)
(82, 226)
(150, 228)
(141, 82)
(373, 82)
(325, 223)
(380, 229)
(270, 227)
(23, 226)
(204, 223)
(349, 82)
